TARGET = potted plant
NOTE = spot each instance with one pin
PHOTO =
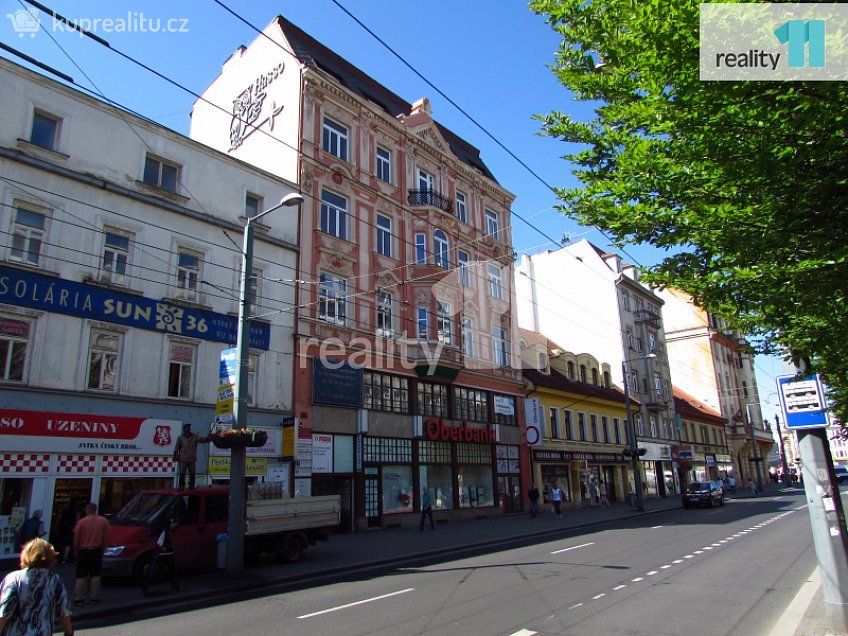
(234, 437)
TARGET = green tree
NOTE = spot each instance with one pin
(743, 183)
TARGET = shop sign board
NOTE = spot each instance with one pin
(289, 434)
(336, 384)
(322, 453)
(534, 424)
(436, 430)
(303, 463)
(48, 293)
(253, 466)
(504, 405)
(44, 431)
(228, 372)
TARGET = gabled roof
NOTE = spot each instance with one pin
(314, 54)
(559, 382)
(692, 408)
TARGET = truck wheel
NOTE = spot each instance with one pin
(143, 568)
(290, 548)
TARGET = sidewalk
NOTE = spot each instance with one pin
(350, 553)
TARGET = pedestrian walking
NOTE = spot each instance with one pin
(34, 596)
(731, 480)
(753, 486)
(533, 496)
(426, 509)
(602, 489)
(556, 500)
(32, 528)
(593, 492)
(185, 454)
(89, 543)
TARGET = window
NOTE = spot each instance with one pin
(161, 174)
(567, 424)
(103, 360)
(252, 205)
(332, 299)
(432, 399)
(464, 271)
(492, 227)
(180, 366)
(658, 386)
(607, 380)
(385, 314)
(634, 381)
(45, 130)
(252, 370)
(652, 342)
(444, 323)
(593, 424)
(333, 215)
(426, 181)
(423, 327)
(461, 207)
(553, 418)
(583, 373)
(594, 377)
(495, 286)
(384, 235)
(440, 249)
(628, 335)
(652, 422)
(605, 428)
(471, 404)
(570, 370)
(468, 337)
(420, 248)
(500, 354)
(116, 250)
(616, 427)
(543, 361)
(384, 392)
(28, 233)
(334, 139)
(188, 275)
(14, 341)
(581, 427)
(384, 164)
(640, 425)
(625, 300)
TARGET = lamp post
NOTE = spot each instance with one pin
(631, 433)
(235, 540)
(755, 452)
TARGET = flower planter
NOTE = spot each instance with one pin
(236, 440)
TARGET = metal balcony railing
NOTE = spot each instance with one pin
(429, 198)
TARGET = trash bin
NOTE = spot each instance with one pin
(221, 561)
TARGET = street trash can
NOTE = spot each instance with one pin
(221, 560)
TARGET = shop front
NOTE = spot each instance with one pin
(574, 471)
(659, 476)
(58, 462)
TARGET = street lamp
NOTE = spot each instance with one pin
(237, 510)
(631, 433)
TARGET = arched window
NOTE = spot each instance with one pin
(440, 249)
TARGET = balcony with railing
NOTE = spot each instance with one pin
(429, 198)
(648, 317)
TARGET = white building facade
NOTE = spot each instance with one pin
(587, 300)
(120, 260)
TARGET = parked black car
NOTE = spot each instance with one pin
(703, 493)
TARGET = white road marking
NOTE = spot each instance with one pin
(652, 572)
(595, 598)
(708, 547)
(582, 545)
(699, 551)
(655, 527)
(664, 567)
(362, 602)
(524, 632)
(619, 587)
(576, 606)
(636, 580)
(689, 556)
(676, 561)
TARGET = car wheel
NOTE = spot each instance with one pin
(143, 569)
(721, 501)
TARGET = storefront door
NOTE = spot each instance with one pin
(69, 498)
(609, 480)
(372, 499)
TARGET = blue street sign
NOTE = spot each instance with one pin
(802, 402)
(229, 366)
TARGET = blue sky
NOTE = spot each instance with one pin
(488, 56)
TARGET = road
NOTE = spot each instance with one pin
(725, 570)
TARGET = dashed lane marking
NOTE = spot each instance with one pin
(355, 603)
(574, 547)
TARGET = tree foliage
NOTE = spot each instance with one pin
(743, 182)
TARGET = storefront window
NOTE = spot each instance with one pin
(439, 480)
(553, 474)
(432, 400)
(472, 404)
(475, 487)
(397, 489)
